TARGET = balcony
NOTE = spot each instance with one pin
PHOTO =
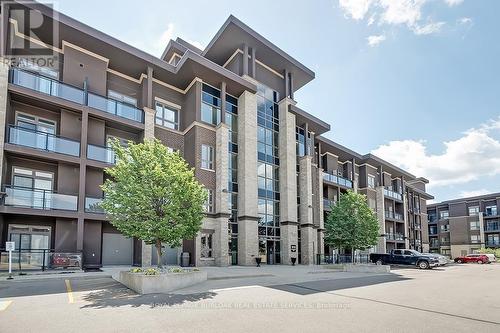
(395, 237)
(434, 244)
(328, 203)
(394, 215)
(101, 153)
(393, 195)
(493, 243)
(337, 180)
(43, 141)
(492, 226)
(39, 199)
(92, 205)
(51, 87)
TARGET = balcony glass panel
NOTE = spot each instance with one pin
(47, 86)
(102, 154)
(115, 107)
(92, 205)
(40, 140)
(39, 199)
(337, 180)
(391, 194)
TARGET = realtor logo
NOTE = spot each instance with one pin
(28, 32)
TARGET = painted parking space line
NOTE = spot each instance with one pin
(69, 291)
(4, 305)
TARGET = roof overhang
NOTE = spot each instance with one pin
(316, 125)
(343, 153)
(234, 34)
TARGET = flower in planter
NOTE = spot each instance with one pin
(136, 270)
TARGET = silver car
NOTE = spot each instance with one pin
(442, 260)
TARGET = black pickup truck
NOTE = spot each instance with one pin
(404, 257)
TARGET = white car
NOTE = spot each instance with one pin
(491, 257)
(442, 260)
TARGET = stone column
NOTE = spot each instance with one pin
(307, 232)
(321, 226)
(248, 242)
(288, 183)
(405, 218)
(149, 133)
(222, 209)
(4, 82)
(381, 247)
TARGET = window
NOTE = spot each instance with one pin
(32, 179)
(371, 181)
(473, 210)
(211, 105)
(444, 214)
(474, 225)
(475, 239)
(209, 203)
(491, 210)
(207, 157)
(446, 252)
(372, 203)
(122, 98)
(206, 246)
(167, 116)
(445, 228)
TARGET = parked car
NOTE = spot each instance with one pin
(475, 258)
(442, 260)
(491, 257)
(404, 257)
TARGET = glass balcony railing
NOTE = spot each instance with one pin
(391, 194)
(117, 108)
(44, 141)
(492, 226)
(92, 205)
(393, 215)
(39, 199)
(394, 236)
(492, 243)
(328, 203)
(45, 85)
(337, 180)
(100, 153)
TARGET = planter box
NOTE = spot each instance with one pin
(162, 283)
(366, 268)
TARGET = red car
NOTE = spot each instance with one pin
(477, 258)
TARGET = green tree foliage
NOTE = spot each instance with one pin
(152, 194)
(351, 224)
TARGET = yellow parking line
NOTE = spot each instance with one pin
(69, 291)
(4, 305)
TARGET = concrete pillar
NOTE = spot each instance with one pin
(307, 232)
(221, 241)
(245, 59)
(248, 246)
(82, 180)
(406, 221)
(381, 246)
(288, 184)
(252, 63)
(149, 133)
(4, 82)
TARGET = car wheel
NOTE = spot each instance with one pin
(379, 262)
(423, 264)
(459, 261)
(480, 262)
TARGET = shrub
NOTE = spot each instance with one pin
(136, 270)
(176, 270)
(151, 271)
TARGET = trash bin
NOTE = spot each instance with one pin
(185, 259)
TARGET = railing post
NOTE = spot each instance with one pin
(43, 261)
(86, 91)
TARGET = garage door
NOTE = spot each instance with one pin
(117, 249)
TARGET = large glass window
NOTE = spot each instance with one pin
(491, 210)
(444, 214)
(207, 157)
(206, 246)
(473, 210)
(167, 116)
(211, 105)
(474, 225)
(122, 98)
(371, 181)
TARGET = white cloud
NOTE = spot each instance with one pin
(401, 11)
(356, 9)
(428, 28)
(165, 37)
(465, 20)
(473, 193)
(452, 3)
(375, 40)
(474, 155)
(371, 20)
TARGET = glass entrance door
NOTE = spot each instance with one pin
(30, 241)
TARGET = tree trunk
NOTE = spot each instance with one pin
(158, 253)
(352, 255)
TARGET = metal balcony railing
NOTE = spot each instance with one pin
(39, 199)
(43, 141)
(52, 87)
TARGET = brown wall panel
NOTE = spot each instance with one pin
(65, 235)
(79, 66)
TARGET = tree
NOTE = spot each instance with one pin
(351, 223)
(152, 195)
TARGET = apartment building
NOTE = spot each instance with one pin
(67, 88)
(463, 226)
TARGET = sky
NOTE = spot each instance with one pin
(416, 82)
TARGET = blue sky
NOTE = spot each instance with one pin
(417, 82)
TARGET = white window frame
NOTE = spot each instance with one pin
(474, 210)
(370, 183)
(120, 97)
(35, 120)
(209, 203)
(474, 225)
(475, 239)
(208, 164)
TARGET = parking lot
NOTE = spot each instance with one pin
(458, 298)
